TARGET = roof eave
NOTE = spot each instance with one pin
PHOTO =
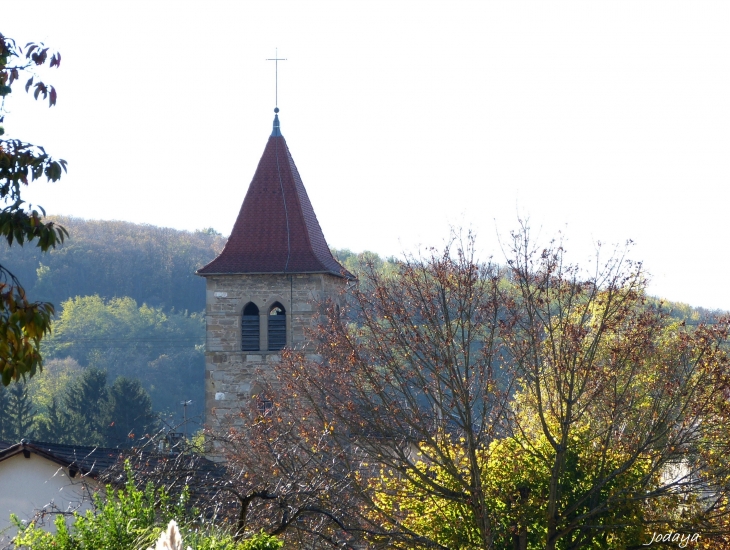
(22, 447)
(347, 274)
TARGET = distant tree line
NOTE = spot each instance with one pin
(357, 262)
(83, 408)
(152, 265)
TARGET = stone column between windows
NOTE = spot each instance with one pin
(263, 330)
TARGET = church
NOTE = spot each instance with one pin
(263, 288)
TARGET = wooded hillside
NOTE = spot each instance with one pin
(128, 302)
(152, 265)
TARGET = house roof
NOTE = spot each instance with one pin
(107, 464)
(276, 230)
(90, 461)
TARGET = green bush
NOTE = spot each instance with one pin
(262, 541)
(130, 519)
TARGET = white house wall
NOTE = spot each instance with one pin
(35, 487)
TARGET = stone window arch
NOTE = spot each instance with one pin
(250, 327)
(277, 327)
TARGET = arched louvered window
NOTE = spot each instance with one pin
(250, 328)
(277, 327)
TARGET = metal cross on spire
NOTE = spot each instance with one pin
(276, 59)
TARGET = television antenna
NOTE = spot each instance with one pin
(185, 417)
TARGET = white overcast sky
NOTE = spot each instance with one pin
(607, 121)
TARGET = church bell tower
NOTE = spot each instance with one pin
(262, 289)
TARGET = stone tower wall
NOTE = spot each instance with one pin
(231, 374)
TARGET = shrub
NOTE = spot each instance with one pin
(132, 518)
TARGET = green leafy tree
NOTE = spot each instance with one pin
(4, 414)
(516, 478)
(131, 412)
(56, 374)
(54, 425)
(21, 411)
(23, 323)
(360, 262)
(87, 403)
(16, 414)
(262, 541)
(51, 422)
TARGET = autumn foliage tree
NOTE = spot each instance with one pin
(23, 323)
(452, 404)
(412, 367)
(288, 480)
(616, 390)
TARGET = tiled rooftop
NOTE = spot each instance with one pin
(276, 230)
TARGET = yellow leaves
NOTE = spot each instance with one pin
(24, 324)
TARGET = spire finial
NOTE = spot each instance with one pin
(276, 132)
(276, 60)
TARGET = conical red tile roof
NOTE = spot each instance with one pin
(276, 230)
